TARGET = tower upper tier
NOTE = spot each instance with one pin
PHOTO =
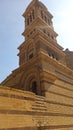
(37, 9)
(39, 33)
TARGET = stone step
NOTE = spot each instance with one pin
(39, 108)
(36, 105)
(39, 102)
(40, 98)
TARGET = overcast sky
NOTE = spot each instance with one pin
(12, 26)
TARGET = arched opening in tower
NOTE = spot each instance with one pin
(34, 87)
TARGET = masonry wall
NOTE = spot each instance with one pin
(21, 110)
(69, 58)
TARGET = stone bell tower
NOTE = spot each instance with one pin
(38, 33)
(45, 76)
(40, 56)
(40, 43)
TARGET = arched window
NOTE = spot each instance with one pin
(42, 14)
(30, 51)
(44, 31)
(33, 14)
(30, 18)
(53, 55)
(48, 34)
(27, 21)
(48, 21)
(34, 87)
(45, 19)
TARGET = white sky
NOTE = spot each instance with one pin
(64, 25)
(12, 25)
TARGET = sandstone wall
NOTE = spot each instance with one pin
(69, 58)
(26, 111)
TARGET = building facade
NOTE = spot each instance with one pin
(45, 72)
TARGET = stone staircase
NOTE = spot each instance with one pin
(39, 104)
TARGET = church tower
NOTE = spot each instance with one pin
(38, 31)
(38, 95)
(41, 58)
